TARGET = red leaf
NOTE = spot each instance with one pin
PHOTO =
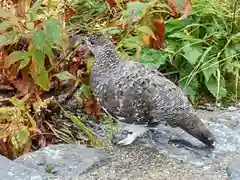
(173, 5)
(180, 8)
(159, 32)
(69, 12)
(111, 3)
(124, 26)
(187, 9)
(6, 149)
(23, 84)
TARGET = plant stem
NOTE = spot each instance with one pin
(234, 16)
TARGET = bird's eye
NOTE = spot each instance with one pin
(91, 42)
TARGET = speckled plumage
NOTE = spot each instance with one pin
(138, 94)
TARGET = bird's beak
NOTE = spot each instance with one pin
(85, 39)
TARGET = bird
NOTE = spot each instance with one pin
(138, 95)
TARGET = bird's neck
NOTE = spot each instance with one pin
(106, 60)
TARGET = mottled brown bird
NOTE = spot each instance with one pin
(139, 95)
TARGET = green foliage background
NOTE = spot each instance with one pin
(202, 50)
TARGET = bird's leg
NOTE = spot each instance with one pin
(136, 131)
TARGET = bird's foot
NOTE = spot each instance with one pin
(135, 132)
(128, 140)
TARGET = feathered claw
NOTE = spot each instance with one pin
(136, 130)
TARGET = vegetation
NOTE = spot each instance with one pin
(194, 43)
(197, 44)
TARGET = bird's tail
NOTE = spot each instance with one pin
(195, 127)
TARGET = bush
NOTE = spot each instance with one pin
(32, 36)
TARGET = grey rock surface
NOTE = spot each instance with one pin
(233, 168)
(64, 160)
(154, 158)
(143, 163)
(10, 170)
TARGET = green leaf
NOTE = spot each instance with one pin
(189, 88)
(215, 86)
(154, 58)
(52, 30)
(81, 126)
(8, 38)
(41, 44)
(183, 36)
(20, 138)
(39, 40)
(4, 116)
(33, 10)
(38, 59)
(38, 71)
(90, 60)
(43, 80)
(172, 45)
(230, 51)
(111, 30)
(146, 30)
(237, 47)
(48, 50)
(135, 10)
(18, 103)
(86, 90)
(65, 75)
(15, 57)
(4, 25)
(209, 68)
(24, 63)
(192, 53)
(3, 39)
(173, 25)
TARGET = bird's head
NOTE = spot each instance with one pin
(195, 127)
(97, 44)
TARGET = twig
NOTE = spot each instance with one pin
(5, 102)
(54, 105)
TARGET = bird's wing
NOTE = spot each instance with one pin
(127, 94)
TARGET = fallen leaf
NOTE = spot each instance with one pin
(92, 107)
(23, 85)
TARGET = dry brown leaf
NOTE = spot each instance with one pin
(92, 107)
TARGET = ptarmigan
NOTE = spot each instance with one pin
(139, 95)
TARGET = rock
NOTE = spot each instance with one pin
(10, 170)
(64, 160)
(207, 104)
(233, 169)
(210, 108)
(202, 107)
(232, 108)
